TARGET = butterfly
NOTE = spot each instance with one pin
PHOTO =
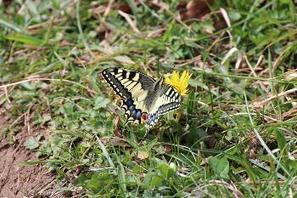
(144, 98)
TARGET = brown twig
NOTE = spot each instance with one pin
(130, 22)
(264, 102)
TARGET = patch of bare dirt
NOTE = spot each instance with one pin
(17, 179)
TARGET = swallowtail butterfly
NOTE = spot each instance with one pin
(144, 99)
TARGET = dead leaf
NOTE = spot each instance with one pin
(142, 155)
(83, 59)
(117, 126)
(130, 21)
(168, 148)
(64, 43)
(124, 60)
(253, 147)
(194, 9)
(124, 7)
(156, 33)
(6, 3)
(115, 141)
(291, 74)
(159, 5)
(290, 114)
(198, 9)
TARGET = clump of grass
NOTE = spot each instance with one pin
(236, 135)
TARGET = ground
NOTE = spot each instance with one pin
(18, 179)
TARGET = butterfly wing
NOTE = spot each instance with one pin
(168, 100)
(133, 87)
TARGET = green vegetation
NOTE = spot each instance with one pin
(235, 133)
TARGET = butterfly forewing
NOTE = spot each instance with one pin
(128, 84)
(114, 77)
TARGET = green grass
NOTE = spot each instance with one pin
(225, 143)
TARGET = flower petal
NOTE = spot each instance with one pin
(179, 82)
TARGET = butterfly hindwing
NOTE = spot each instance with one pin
(131, 112)
(170, 101)
(167, 101)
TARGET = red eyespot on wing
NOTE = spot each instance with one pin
(144, 116)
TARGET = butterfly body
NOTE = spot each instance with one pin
(144, 99)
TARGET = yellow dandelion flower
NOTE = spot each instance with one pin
(179, 82)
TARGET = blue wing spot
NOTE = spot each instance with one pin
(152, 119)
(131, 108)
(132, 112)
(129, 102)
(138, 114)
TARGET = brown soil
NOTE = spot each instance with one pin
(17, 179)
